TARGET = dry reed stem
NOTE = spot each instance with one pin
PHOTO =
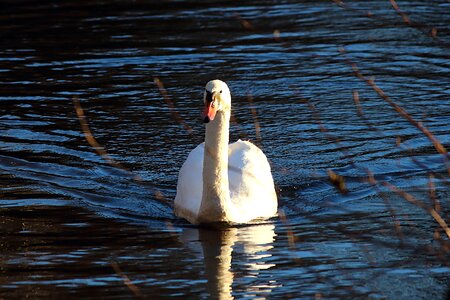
(419, 125)
(322, 128)
(234, 122)
(407, 21)
(372, 180)
(247, 25)
(402, 112)
(338, 181)
(410, 198)
(374, 183)
(293, 246)
(357, 103)
(342, 230)
(355, 235)
(289, 232)
(244, 23)
(126, 280)
(360, 111)
(104, 154)
(255, 119)
(171, 106)
(404, 16)
(90, 137)
(371, 238)
(432, 193)
(425, 29)
(392, 211)
(399, 144)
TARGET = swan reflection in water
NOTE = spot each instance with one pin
(251, 244)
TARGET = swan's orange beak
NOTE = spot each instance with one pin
(209, 113)
(210, 108)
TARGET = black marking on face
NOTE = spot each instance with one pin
(209, 98)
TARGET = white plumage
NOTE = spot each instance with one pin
(233, 186)
(251, 185)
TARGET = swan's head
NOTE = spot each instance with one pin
(217, 98)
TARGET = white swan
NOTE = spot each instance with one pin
(226, 183)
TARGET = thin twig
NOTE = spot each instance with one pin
(171, 106)
(410, 198)
(402, 112)
(404, 16)
(339, 182)
(234, 122)
(104, 154)
(360, 111)
(244, 23)
(425, 29)
(432, 193)
(126, 280)
(90, 137)
(289, 232)
(418, 125)
(255, 119)
(372, 180)
(400, 145)
(391, 209)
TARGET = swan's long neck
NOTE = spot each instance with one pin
(216, 194)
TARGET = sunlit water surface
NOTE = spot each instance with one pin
(73, 225)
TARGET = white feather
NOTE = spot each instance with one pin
(252, 190)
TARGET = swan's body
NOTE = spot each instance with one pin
(226, 183)
(249, 199)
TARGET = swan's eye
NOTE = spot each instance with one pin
(221, 91)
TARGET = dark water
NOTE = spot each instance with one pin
(72, 225)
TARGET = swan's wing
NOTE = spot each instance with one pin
(250, 180)
(251, 184)
(190, 186)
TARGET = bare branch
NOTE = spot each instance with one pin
(402, 112)
(255, 120)
(104, 154)
(126, 280)
(171, 105)
(410, 198)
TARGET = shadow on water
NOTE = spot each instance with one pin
(73, 225)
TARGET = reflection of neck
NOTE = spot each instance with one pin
(217, 248)
(216, 196)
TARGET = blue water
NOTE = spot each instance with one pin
(73, 225)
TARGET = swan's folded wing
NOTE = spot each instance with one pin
(190, 185)
(251, 184)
